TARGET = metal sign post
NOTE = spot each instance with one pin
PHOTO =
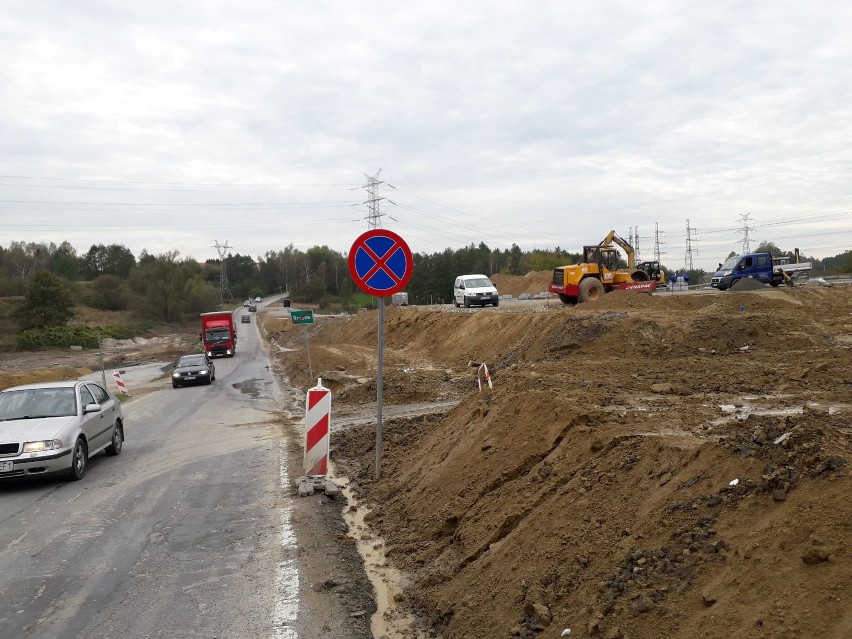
(101, 352)
(305, 317)
(380, 369)
(308, 351)
(380, 264)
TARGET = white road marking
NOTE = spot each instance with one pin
(287, 578)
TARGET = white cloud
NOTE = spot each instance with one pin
(542, 124)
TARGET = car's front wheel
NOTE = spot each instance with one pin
(79, 460)
(117, 441)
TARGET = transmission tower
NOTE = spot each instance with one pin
(657, 241)
(372, 187)
(745, 218)
(635, 244)
(222, 250)
(690, 233)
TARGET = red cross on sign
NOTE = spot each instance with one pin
(380, 262)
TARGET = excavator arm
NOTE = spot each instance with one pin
(611, 237)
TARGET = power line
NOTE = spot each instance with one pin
(148, 226)
(92, 181)
(807, 218)
(179, 204)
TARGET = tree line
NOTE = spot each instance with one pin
(169, 287)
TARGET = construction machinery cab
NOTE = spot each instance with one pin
(652, 268)
(602, 255)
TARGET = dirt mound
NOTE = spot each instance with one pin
(647, 466)
(532, 283)
(606, 528)
(748, 284)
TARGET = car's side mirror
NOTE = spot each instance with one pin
(92, 408)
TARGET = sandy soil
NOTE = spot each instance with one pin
(646, 466)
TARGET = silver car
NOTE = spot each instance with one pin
(56, 427)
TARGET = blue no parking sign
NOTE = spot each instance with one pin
(380, 262)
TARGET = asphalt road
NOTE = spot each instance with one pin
(179, 536)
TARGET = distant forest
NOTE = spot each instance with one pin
(169, 287)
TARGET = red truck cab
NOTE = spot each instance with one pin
(219, 334)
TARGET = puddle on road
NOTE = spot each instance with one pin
(388, 621)
(252, 388)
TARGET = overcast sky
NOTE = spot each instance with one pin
(171, 125)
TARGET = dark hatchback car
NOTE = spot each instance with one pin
(246, 319)
(193, 369)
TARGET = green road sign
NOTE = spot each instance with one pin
(302, 317)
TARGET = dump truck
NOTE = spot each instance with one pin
(219, 333)
(599, 273)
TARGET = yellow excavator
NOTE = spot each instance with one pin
(599, 273)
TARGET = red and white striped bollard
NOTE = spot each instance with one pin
(122, 387)
(317, 430)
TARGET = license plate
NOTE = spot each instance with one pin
(190, 377)
(7, 467)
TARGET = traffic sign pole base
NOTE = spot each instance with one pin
(310, 484)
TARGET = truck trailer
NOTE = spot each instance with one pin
(219, 333)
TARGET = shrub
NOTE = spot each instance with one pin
(66, 336)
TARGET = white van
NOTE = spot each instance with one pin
(474, 289)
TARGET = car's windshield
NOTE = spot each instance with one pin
(481, 282)
(192, 360)
(37, 402)
(730, 263)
